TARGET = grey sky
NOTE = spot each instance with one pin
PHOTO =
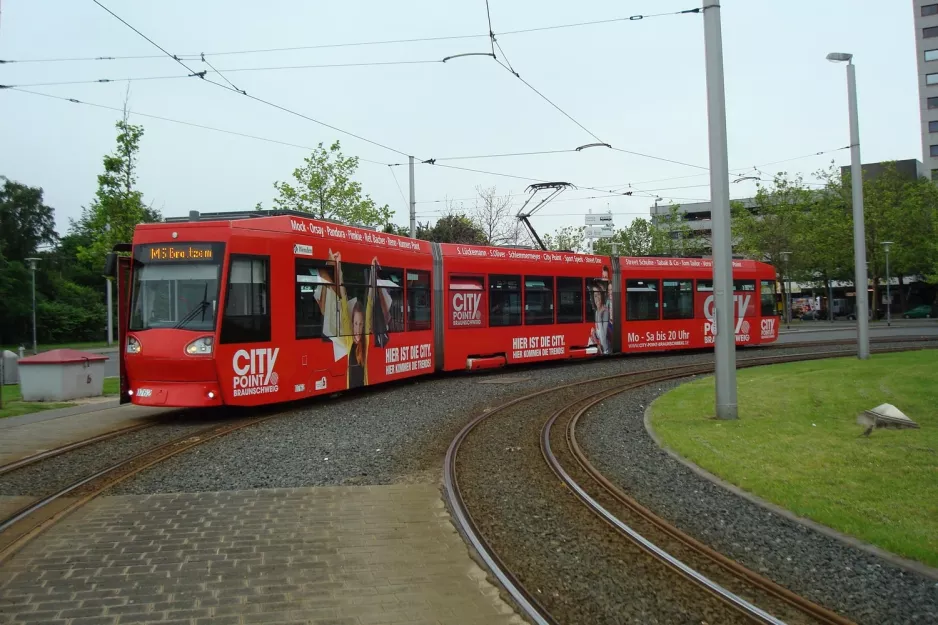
(638, 85)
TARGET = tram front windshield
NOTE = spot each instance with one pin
(176, 286)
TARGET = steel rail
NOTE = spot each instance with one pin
(812, 609)
(733, 600)
(56, 451)
(464, 522)
(108, 477)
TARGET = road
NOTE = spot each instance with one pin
(839, 330)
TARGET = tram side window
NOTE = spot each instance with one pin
(705, 286)
(747, 286)
(538, 300)
(641, 302)
(768, 298)
(247, 303)
(418, 300)
(315, 292)
(678, 296)
(504, 300)
(569, 300)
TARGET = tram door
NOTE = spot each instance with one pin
(119, 269)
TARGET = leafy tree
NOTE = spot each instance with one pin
(568, 238)
(25, 222)
(453, 228)
(118, 206)
(17, 304)
(674, 235)
(324, 187)
(903, 212)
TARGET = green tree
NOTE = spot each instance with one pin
(25, 222)
(325, 188)
(453, 228)
(118, 205)
(639, 238)
(902, 211)
(570, 238)
(827, 234)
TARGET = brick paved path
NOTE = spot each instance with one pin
(354, 555)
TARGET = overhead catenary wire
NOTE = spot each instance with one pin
(229, 70)
(207, 62)
(181, 122)
(247, 95)
(195, 57)
(398, 184)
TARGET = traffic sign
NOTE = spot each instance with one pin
(598, 220)
(599, 232)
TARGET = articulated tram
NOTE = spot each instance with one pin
(256, 308)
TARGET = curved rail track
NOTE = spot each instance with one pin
(749, 595)
(25, 524)
(58, 451)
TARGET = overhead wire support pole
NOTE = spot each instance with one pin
(725, 339)
(413, 201)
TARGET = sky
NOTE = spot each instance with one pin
(638, 85)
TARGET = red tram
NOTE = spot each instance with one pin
(259, 308)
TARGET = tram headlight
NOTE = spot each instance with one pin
(133, 345)
(200, 346)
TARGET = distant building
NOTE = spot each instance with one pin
(697, 215)
(926, 51)
(910, 168)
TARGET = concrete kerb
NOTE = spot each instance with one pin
(904, 563)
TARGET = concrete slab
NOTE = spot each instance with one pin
(353, 555)
(32, 433)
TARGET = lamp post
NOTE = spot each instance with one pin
(725, 339)
(786, 256)
(886, 245)
(32, 268)
(859, 232)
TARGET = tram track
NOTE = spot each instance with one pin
(46, 454)
(544, 574)
(28, 522)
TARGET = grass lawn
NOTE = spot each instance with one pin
(797, 444)
(13, 404)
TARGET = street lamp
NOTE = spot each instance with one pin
(859, 232)
(32, 268)
(786, 256)
(886, 245)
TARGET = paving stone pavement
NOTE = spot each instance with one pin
(352, 555)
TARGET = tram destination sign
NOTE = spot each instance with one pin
(175, 252)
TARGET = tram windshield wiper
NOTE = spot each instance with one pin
(199, 308)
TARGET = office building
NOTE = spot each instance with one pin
(926, 49)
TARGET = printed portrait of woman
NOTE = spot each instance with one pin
(599, 333)
(350, 317)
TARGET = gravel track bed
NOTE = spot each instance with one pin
(704, 565)
(847, 580)
(47, 476)
(574, 563)
(389, 434)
